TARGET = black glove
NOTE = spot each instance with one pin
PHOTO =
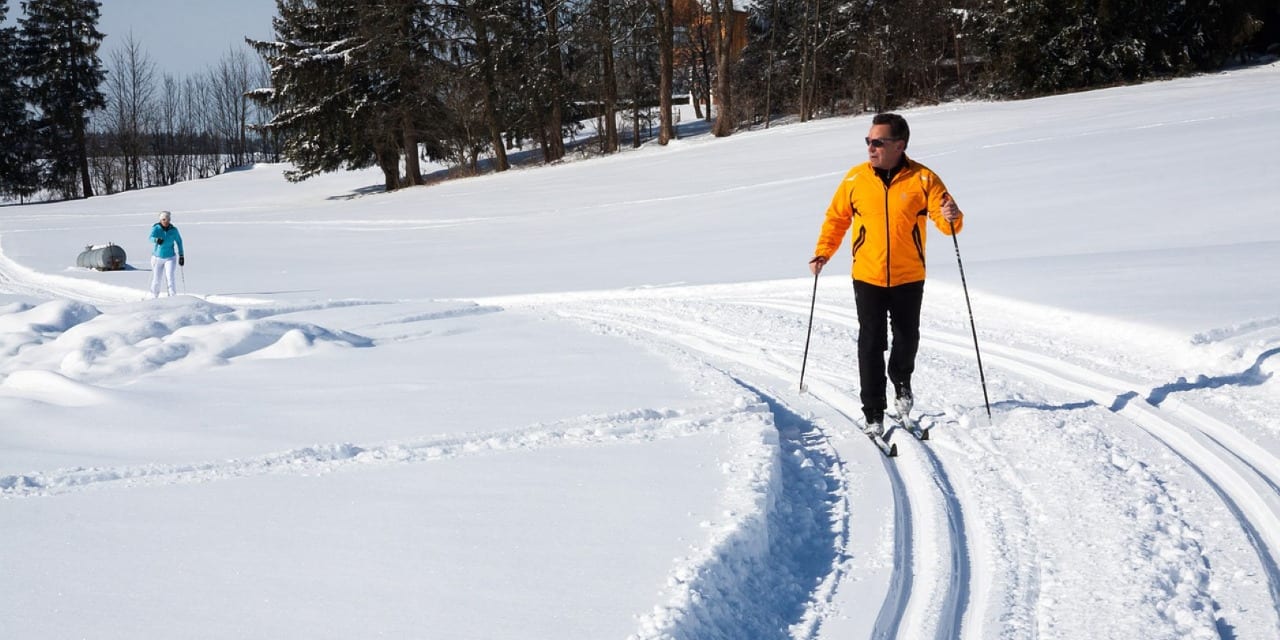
(182, 261)
(159, 240)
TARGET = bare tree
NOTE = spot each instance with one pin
(481, 61)
(593, 66)
(131, 92)
(171, 149)
(553, 122)
(696, 56)
(198, 132)
(609, 77)
(230, 83)
(637, 64)
(722, 43)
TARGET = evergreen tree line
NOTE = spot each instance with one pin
(360, 83)
(385, 83)
(363, 83)
(838, 56)
(74, 127)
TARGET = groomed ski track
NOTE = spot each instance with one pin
(974, 553)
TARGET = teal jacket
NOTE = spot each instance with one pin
(164, 241)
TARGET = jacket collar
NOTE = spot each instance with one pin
(887, 175)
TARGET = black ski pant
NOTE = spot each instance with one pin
(880, 308)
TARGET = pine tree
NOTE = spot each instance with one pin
(351, 85)
(17, 159)
(399, 69)
(58, 55)
(480, 26)
(517, 45)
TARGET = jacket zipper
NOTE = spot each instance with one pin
(888, 240)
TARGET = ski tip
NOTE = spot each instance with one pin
(924, 434)
(893, 450)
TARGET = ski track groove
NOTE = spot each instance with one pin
(958, 588)
(1233, 473)
(1243, 476)
(916, 592)
(788, 615)
(637, 426)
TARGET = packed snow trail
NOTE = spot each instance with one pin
(975, 551)
(17, 279)
(1241, 472)
(917, 592)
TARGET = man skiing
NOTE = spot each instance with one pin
(166, 243)
(887, 200)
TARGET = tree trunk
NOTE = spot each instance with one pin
(664, 12)
(412, 170)
(609, 79)
(804, 65)
(484, 49)
(635, 120)
(82, 158)
(722, 39)
(705, 53)
(811, 99)
(554, 122)
(389, 162)
(768, 78)
(243, 142)
(610, 104)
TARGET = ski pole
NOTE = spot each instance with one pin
(805, 361)
(183, 270)
(972, 326)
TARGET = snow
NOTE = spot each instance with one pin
(561, 402)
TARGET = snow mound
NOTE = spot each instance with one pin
(81, 343)
(51, 388)
(22, 325)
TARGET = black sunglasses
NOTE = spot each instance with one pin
(879, 142)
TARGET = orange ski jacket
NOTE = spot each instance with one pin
(889, 222)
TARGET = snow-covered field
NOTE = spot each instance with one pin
(562, 402)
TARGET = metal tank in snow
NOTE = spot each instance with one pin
(107, 257)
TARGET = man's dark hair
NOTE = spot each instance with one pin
(897, 125)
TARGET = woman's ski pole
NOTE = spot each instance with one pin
(972, 326)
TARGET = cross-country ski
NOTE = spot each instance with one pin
(909, 424)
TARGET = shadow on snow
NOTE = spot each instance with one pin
(760, 587)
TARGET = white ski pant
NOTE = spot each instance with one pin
(163, 268)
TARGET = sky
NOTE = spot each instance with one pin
(183, 37)
(562, 401)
